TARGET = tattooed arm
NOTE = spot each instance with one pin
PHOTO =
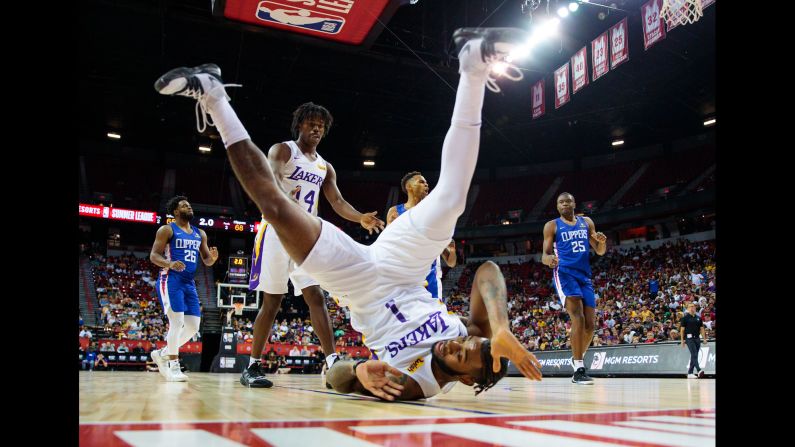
(488, 302)
(489, 318)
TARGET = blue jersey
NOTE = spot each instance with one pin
(572, 247)
(184, 247)
(432, 282)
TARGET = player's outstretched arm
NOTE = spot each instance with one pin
(489, 318)
(373, 378)
(367, 220)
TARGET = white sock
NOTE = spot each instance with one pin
(190, 327)
(330, 359)
(175, 322)
(227, 122)
(253, 360)
(578, 364)
(436, 215)
(173, 362)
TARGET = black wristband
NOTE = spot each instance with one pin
(357, 364)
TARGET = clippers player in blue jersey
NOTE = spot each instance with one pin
(177, 249)
(416, 187)
(566, 242)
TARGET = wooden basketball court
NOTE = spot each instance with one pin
(141, 409)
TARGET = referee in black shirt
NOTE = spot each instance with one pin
(689, 330)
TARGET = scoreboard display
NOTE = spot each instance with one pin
(238, 270)
(151, 217)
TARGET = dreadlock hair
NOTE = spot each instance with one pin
(488, 378)
(310, 110)
(173, 204)
(406, 178)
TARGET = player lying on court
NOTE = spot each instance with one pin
(418, 347)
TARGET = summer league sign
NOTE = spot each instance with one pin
(352, 22)
(629, 360)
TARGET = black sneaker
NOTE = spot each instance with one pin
(481, 49)
(202, 83)
(254, 377)
(580, 378)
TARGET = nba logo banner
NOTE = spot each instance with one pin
(579, 72)
(619, 48)
(352, 22)
(653, 29)
(538, 98)
(562, 85)
(315, 20)
(599, 55)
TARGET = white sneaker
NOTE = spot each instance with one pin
(692, 376)
(162, 364)
(174, 373)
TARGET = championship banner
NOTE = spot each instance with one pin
(619, 44)
(562, 85)
(599, 51)
(538, 98)
(653, 29)
(579, 70)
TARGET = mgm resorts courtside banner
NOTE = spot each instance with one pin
(642, 359)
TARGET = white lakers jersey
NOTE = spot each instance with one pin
(301, 172)
(403, 330)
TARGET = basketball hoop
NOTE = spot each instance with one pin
(238, 308)
(681, 12)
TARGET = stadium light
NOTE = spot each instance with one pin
(574, 6)
(563, 11)
(204, 149)
(709, 122)
(617, 142)
(114, 135)
(368, 163)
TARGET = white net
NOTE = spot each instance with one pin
(681, 12)
(238, 308)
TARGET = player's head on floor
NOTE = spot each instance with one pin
(311, 122)
(413, 183)
(566, 205)
(180, 207)
(469, 361)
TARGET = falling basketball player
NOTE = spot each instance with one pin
(419, 347)
(176, 249)
(416, 187)
(566, 242)
(303, 172)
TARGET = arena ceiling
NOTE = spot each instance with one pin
(391, 102)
